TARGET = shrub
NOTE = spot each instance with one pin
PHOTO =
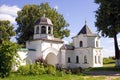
(51, 70)
(37, 69)
(8, 52)
(24, 70)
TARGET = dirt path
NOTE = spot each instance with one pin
(104, 73)
(110, 75)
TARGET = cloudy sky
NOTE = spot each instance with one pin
(75, 13)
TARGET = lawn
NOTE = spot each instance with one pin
(51, 77)
(63, 76)
(109, 65)
(59, 77)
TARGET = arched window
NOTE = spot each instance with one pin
(49, 30)
(85, 59)
(81, 44)
(37, 30)
(43, 30)
(77, 59)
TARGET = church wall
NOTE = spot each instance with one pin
(63, 58)
(55, 45)
(69, 54)
(34, 50)
(91, 41)
(82, 53)
(33, 44)
(77, 39)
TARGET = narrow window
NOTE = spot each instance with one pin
(95, 59)
(68, 59)
(99, 59)
(37, 30)
(85, 59)
(49, 30)
(77, 59)
(81, 44)
(96, 43)
(43, 30)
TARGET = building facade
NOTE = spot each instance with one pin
(85, 52)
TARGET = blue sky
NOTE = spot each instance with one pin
(75, 13)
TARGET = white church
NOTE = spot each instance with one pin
(85, 52)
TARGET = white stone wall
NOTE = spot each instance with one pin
(63, 58)
(69, 53)
(22, 59)
(33, 55)
(77, 39)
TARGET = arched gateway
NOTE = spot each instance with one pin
(51, 58)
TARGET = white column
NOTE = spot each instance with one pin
(39, 29)
(51, 30)
(46, 29)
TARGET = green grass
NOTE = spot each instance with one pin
(106, 67)
(51, 77)
(60, 76)
(109, 65)
(108, 60)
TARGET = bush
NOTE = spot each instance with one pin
(51, 70)
(8, 52)
(24, 70)
(37, 69)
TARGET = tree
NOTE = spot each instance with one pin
(8, 51)
(28, 16)
(108, 22)
(6, 31)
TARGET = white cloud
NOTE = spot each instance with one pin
(7, 17)
(8, 13)
(11, 10)
(56, 7)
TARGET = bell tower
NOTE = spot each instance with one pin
(43, 28)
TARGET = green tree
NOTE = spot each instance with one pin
(108, 22)
(30, 13)
(8, 52)
(6, 31)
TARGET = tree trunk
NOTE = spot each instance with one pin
(117, 52)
